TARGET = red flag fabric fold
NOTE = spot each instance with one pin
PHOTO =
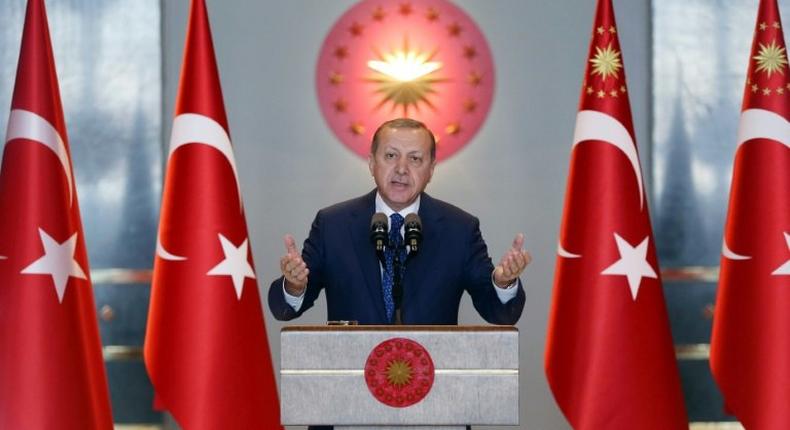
(609, 356)
(51, 367)
(750, 345)
(206, 349)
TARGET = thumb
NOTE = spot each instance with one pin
(518, 242)
(290, 245)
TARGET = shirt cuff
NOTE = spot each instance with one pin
(296, 301)
(504, 294)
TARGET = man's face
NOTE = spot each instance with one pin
(402, 165)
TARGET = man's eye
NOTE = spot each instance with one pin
(389, 155)
(416, 159)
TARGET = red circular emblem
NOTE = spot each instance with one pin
(423, 59)
(399, 372)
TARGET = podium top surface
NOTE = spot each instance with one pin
(423, 328)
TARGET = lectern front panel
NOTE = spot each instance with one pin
(404, 375)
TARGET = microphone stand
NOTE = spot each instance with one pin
(397, 288)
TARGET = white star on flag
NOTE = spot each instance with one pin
(58, 262)
(785, 268)
(632, 264)
(234, 265)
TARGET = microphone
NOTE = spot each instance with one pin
(378, 231)
(413, 231)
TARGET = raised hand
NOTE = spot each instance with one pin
(515, 260)
(294, 269)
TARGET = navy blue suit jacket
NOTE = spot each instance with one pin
(453, 258)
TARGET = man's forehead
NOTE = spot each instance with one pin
(404, 136)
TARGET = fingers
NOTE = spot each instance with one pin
(289, 263)
(290, 245)
(293, 268)
(518, 242)
(512, 266)
(513, 262)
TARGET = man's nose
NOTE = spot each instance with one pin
(402, 167)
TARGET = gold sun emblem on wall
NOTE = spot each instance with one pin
(405, 77)
(399, 373)
(606, 62)
(771, 58)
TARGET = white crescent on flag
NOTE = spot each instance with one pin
(192, 128)
(765, 124)
(164, 254)
(565, 254)
(595, 125)
(24, 124)
(729, 254)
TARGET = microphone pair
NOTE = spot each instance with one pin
(379, 226)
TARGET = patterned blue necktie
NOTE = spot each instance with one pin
(395, 250)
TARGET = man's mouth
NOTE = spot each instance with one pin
(399, 184)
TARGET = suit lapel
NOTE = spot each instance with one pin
(427, 258)
(366, 254)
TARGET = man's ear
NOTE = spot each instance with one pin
(371, 163)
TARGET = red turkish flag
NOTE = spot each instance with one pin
(750, 346)
(609, 355)
(206, 349)
(51, 367)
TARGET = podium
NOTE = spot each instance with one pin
(399, 377)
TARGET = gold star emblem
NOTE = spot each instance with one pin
(780, 91)
(335, 78)
(474, 79)
(399, 372)
(357, 128)
(771, 58)
(454, 29)
(405, 9)
(623, 89)
(763, 26)
(600, 30)
(766, 91)
(470, 105)
(405, 77)
(776, 25)
(453, 128)
(606, 62)
(340, 105)
(432, 14)
(787, 86)
(755, 88)
(589, 90)
(601, 94)
(378, 14)
(613, 93)
(356, 29)
(612, 30)
(470, 52)
(340, 52)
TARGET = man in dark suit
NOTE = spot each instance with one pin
(339, 258)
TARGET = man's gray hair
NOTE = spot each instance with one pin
(402, 123)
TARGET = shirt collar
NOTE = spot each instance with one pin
(382, 207)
